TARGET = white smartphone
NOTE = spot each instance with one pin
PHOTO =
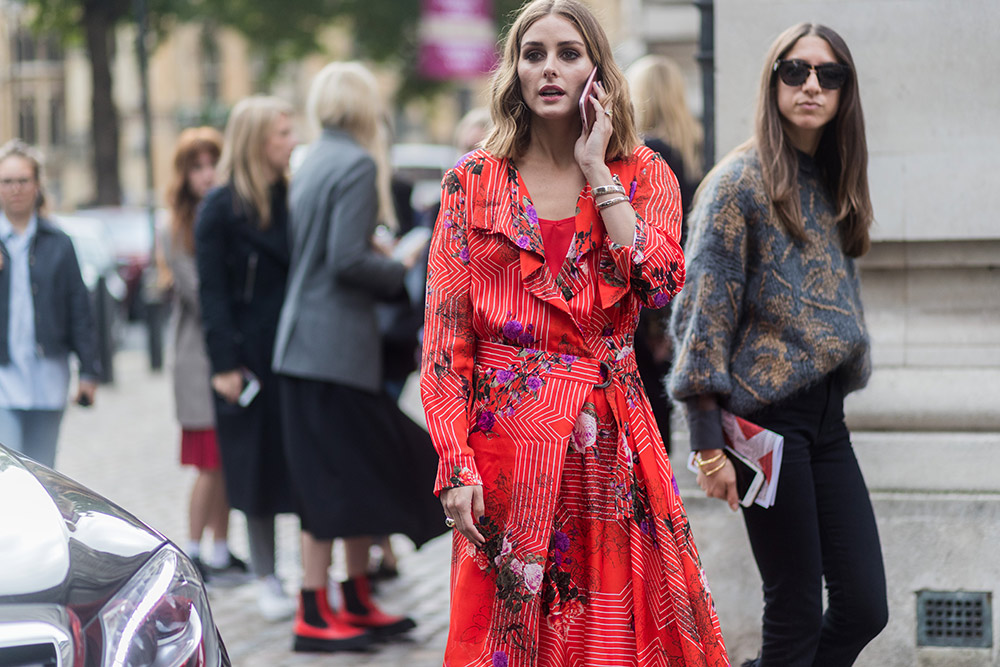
(251, 387)
(586, 108)
(749, 477)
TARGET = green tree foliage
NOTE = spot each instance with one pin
(279, 30)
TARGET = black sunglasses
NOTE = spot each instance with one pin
(795, 72)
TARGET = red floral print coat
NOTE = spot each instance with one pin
(530, 388)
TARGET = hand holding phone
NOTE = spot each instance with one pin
(587, 114)
(251, 387)
(749, 476)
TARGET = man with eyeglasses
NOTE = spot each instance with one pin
(44, 313)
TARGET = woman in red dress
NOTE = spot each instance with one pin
(572, 546)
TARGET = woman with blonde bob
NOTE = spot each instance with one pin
(353, 456)
(241, 246)
(571, 544)
(667, 126)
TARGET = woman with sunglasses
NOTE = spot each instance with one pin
(770, 327)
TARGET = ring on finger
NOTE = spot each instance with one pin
(449, 522)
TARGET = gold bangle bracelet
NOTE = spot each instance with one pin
(704, 462)
(709, 473)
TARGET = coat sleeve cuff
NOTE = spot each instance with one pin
(457, 472)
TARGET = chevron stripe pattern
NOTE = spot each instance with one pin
(530, 389)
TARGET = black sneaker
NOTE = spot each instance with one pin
(383, 573)
(203, 569)
(232, 573)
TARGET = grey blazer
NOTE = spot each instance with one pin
(191, 371)
(328, 329)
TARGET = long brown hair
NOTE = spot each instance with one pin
(512, 117)
(842, 155)
(191, 145)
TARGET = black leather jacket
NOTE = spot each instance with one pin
(63, 319)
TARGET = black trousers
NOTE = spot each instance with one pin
(821, 527)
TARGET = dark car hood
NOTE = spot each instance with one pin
(61, 543)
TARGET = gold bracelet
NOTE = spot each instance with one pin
(709, 473)
(705, 462)
(611, 202)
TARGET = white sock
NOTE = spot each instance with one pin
(220, 554)
(193, 549)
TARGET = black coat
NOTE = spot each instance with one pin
(242, 271)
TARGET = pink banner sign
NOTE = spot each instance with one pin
(457, 39)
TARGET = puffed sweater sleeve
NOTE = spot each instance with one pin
(653, 266)
(449, 341)
(708, 310)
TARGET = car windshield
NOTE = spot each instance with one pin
(130, 230)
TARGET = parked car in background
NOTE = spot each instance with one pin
(132, 240)
(94, 248)
(423, 166)
(83, 583)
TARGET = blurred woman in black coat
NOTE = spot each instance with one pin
(666, 125)
(243, 255)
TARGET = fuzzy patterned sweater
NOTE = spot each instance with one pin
(763, 316)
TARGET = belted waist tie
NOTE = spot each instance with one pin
(589, 370)
(601, 374)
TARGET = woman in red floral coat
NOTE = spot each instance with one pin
(572, 546)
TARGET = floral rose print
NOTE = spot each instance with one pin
(533, 573)
(518, 580)
(584, 430)
(486, 421)
(461, 476)
(498, 391)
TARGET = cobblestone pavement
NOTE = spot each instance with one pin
(126, 447)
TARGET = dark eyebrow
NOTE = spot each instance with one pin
(571, 42)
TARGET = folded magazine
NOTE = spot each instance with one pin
(761, 447)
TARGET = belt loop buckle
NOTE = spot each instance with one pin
(605, 375)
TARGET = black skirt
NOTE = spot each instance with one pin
(358, 465)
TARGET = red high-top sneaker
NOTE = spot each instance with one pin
(334, 635)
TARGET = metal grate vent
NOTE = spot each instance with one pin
(954, 618)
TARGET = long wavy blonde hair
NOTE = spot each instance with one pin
(244, 161)
(345, 96)
(661, 109)
(512, 117)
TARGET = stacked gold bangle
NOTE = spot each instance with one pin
(702, 463)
